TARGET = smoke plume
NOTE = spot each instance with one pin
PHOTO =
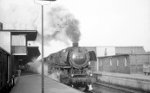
(36, 67)
(72, 31)
(61, 25)
(60, 29)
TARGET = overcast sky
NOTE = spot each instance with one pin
(101, 22)
(112, 22)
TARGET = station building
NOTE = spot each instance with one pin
(15, 42)
(122, 59)
(125, 63)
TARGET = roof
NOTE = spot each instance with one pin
(31, 34)
(33, 51)
(114, 55)
(122, 55)
(1, 49)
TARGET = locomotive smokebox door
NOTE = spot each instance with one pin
(79, 58)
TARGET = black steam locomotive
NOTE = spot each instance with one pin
(74, 65)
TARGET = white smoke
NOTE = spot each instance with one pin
(36, 67)
(55, 75)
(65, 25)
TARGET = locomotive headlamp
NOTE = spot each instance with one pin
(89, 63)
(91, 74)
(64, 50)
(72, 75)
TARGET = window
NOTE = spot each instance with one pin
(125, 62)
(18, 40)
(117, 62)
(19, 45)
(110, 62)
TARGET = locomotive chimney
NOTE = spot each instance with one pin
(1, 26)
(75, 44)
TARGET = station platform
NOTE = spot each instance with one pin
(32, 84)
(128, 76)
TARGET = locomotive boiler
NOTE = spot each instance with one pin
(73, 63)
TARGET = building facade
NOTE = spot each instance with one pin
(120, 59)
(15, 43)
(125, 63)
(116, 64)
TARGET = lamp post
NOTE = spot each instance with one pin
(42, 3)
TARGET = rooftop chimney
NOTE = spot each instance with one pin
(1, 26)
(75, 44)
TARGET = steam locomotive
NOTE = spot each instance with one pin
(73, 63)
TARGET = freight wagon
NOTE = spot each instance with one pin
(7, 75)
